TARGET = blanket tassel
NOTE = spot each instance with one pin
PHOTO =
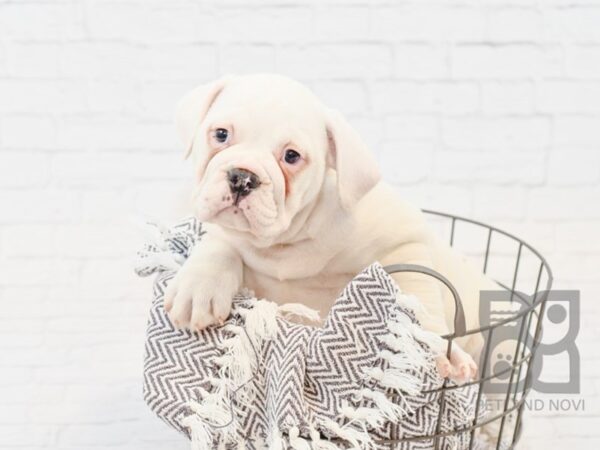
(320, 444)
(297, 442)
(275, 440)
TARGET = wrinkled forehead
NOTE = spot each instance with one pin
(274, 108)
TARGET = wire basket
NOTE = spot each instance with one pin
(526, 277)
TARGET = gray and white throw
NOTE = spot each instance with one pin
(264, 380)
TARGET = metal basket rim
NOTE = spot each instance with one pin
(537, 301)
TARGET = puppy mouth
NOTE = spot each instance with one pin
(238, 196)
(233, 217)
(234, 202)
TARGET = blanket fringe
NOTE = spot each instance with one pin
(297, 442)
(392, 411)
(411, 302)
(436, 343)
(235, 369)
(298, 310)
(404, 362)
(432, 340)
(373, 417)
(260, 321)
(275, 440)
(323, 444)
(318, 443)
(395, 379)
(356, 438)
(238, 363)
(199, 434)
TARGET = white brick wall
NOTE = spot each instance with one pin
(488, 108)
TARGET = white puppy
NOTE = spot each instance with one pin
(294, 208)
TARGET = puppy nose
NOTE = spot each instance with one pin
(242, 181)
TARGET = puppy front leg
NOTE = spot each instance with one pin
(201, 292)
(460, 366)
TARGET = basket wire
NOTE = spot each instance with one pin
(530, 319)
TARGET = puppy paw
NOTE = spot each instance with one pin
(198, 297)
(464, 367)
(460, 367)
(443, 366)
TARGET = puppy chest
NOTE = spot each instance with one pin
(318, 291)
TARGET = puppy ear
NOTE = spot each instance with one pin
(357, 170)
(192, 109)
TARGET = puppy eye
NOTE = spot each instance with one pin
(221, 135)
(291, 156)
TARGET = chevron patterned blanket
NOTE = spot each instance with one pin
(360, 380)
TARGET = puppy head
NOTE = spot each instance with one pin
(262, 146)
